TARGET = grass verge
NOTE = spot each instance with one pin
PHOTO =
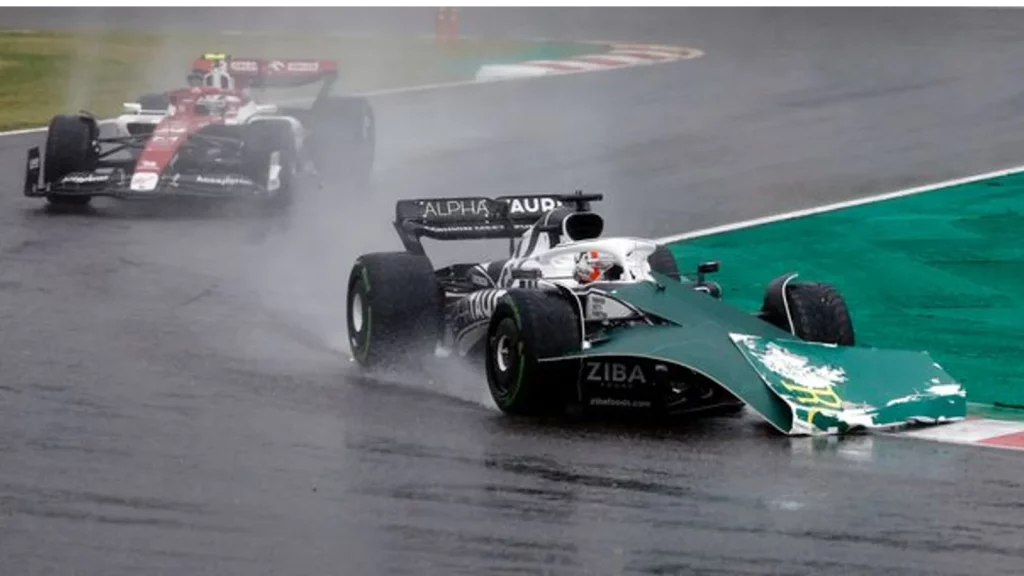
(43, 73)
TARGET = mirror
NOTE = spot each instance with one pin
(708, 268)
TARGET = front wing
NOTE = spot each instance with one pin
(800, 388)
(123, 183)
(836, 389)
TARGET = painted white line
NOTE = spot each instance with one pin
(613, 60)
(23, 131)
(44, 128)
(651, 54)
(563, 65)
(655, 47)
(462, 84)
(837, 206)
(510, 71)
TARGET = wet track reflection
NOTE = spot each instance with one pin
(176, 396)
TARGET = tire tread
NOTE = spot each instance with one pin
(405, 300)
(548, 327)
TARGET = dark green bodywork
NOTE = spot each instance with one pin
(738, 350)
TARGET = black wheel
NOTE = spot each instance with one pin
(394, 307)
(70, 147)
(525, 327)
(819, 313)
(663, 262)
(343, 140)
(270, 160)
(155, 101)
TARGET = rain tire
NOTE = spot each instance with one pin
(819, 312)
(154, 101)
(268, 144)
(70, 147)
(343, 140)
(394, 307)
(525, 327)
(663, 262)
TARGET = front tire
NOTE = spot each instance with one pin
(270, 160)
(818, 312)
(154, 101)
(663, 262)
(395, 305)
(70, 147)
(527, 326)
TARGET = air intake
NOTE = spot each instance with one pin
(583, 226)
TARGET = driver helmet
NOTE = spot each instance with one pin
(218, 77)
(591, 266)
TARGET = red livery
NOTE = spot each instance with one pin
(219, 137)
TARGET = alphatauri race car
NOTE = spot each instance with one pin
(217, 138)
(572, 319)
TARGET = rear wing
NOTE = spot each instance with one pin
(477, 218)
(262, 73)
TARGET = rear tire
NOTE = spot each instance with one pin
(395, 305)
(70, 147)
(270, 145)
(343, 140)
(526, 326)
(818, 311)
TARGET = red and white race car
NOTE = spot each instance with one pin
(217, 138)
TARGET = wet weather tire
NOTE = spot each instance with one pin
(154, 101)
(663, 262)
(343, 140)
(819, 313)
(525, 327)
(70, 147)
(394, 309)
(270, 160)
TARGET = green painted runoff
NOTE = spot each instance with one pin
(941, 271)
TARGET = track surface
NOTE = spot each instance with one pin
(175, 399)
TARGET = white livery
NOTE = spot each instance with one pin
(216, 138)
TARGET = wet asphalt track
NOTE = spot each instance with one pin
(176, 399)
